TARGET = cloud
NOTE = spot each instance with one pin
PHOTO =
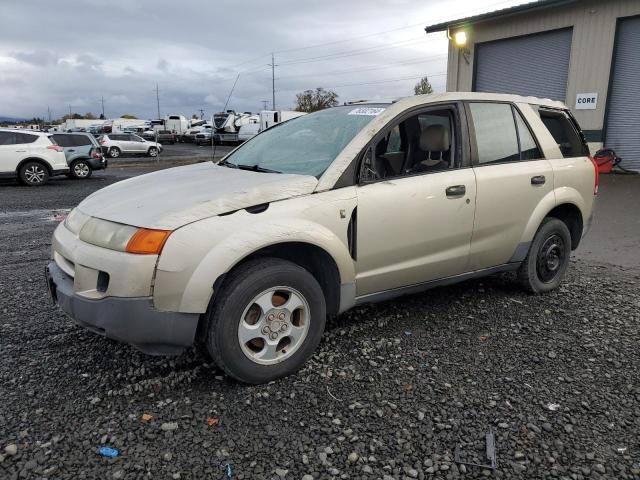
(120, 49)
(38, 58)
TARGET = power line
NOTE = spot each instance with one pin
(351, 53)
(485, 8)
(366, 69)
(391, 80)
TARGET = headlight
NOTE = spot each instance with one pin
(123, 238)
(111, 235)
(75, 220)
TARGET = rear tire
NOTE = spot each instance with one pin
(114, 152)
(33, 174)
(80, 170)
(152, 152)
(278, 307)
(548, 257)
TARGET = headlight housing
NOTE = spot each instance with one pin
(75, 220)
(117, 236)
(111, 235)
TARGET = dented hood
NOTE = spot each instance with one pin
(170, 198)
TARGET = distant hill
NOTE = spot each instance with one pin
(12, 119)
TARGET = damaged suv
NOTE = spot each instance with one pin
(349, 205)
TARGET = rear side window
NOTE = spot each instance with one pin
(501, 134)
(564, 132)
(63, 140)
(81, 140)
(22, 138)
(7, 138)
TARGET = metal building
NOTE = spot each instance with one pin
(583, 52)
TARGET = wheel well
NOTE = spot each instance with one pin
(572, 217)
(34, 159)
(312, 258)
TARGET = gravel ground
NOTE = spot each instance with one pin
(390, 392)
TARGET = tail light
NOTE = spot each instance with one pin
(597, 175)
(95, 154)
(57, 148)
(102, 141)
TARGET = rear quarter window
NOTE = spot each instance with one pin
(22, 138)
(564, 132)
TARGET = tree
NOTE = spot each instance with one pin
(423, 87)
(314, 100)
(126, 115)
(89, 116)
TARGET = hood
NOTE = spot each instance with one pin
(170, 198)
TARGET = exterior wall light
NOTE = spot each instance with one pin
(460, 38)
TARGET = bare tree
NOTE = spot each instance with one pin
(423, 87)
(127, 115)
(314, 100)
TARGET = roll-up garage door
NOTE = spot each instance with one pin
(623, 115)
(535, 65)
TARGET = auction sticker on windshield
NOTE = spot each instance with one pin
(370, 111)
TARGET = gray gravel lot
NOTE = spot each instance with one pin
(390, 392)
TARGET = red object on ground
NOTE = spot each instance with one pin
(605, 160)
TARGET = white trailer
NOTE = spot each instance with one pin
(177, 124)
(241, 128)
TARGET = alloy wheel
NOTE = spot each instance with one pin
(35, 174)
(81, 169)
(274, 325)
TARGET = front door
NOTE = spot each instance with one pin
(416, 202)
(11, 152)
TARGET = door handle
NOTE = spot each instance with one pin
(71, 150)
(20, 151)
(456, 191)
(538, 180)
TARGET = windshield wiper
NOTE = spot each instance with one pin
(227, 163)
(256, 168)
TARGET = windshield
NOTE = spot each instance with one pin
(306, 145)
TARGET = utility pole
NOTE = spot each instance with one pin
(273, 82)
(69, 111)
(102, 101)
(158, 100)
(201, 114)
(264, 104)
(49, 114)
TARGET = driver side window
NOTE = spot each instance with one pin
(422, 143)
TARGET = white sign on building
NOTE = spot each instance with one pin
(586, 101)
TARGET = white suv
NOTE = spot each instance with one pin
(31, 156)
(115, 144)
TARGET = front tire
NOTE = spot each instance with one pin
(114, 152)
(152, 152)
(548, 257)
(33, 174)
(266, 321)
(81, 170)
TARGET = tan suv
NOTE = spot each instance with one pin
(345, 206)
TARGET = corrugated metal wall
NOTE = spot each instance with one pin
(535, 65)
(593, 23)
(623, 116)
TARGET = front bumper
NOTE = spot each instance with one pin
(131, 320)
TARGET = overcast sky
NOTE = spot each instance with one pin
(61, 53)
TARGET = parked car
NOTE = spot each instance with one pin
(31, 157)
(83, 153)
(341, 207)
(115, 144)
(164, 136)
(204, 138)
(190, 135)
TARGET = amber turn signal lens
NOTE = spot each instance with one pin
(148, 242)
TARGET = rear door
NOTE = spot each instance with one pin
(10, 154)
(512, 178)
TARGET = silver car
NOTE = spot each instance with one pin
(345, 206)
(116, 144)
